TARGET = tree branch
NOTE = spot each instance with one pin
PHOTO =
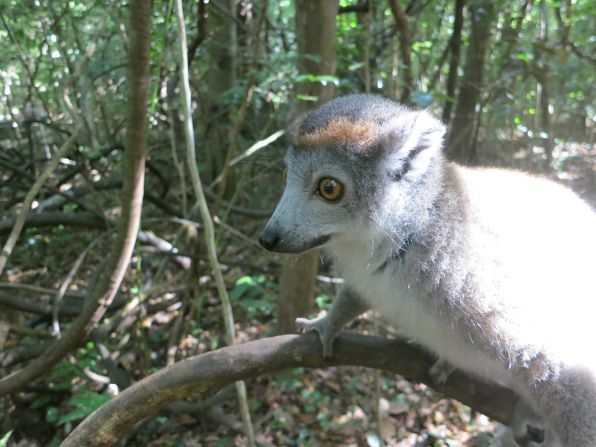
(203, 375)
(53, 218)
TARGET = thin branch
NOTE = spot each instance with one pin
(201, 31)
(54, 189)
(206, 216)
(24, 211)
(250, 151)
(51, 219)
(34, 289)
(71, 306)
(66, 283)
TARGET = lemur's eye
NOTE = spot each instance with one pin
(284, 175)
(330, 189)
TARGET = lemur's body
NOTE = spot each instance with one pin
(470, 263)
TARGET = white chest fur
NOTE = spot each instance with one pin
(401, 304)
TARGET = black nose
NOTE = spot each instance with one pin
(269, 239)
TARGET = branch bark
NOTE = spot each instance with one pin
(205, 374)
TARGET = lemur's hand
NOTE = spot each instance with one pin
(322, 326)
(440, 371)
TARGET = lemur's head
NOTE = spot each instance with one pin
(356, 162)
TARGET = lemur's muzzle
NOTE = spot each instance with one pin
(269, 240)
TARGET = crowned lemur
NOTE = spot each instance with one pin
(490, 269)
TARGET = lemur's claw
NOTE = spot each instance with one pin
(320, 326)
(440, 371)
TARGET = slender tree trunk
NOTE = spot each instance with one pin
(405, 47)
(455, 49)
(542, 92)
(461, 146)
(315, 29)
(220, 78)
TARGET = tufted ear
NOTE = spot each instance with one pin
(410, 142)
(293, 130)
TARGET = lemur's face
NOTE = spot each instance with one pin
(321, 200)
(356, 165)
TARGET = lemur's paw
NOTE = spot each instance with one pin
(440, 372)
(528, 428)
(531, 436)
(321, 325)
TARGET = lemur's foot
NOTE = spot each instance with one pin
(531, 437)
(528, 428)
(440, 371)
(321, 325)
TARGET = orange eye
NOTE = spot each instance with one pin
(330, 189)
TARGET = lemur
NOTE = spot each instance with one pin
(492, 270)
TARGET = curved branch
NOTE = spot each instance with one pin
(132, 200)
(205, 374)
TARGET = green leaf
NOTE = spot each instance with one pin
(323, 79)
(84, 403)
(52, 415)
(307, 98)
(323, 301)
(40, 402)
(4, 439)
(355, 66)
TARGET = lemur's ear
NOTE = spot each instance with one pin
(410, 142)
(293, 130)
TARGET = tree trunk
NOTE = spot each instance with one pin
(542, 93)
(220, 78)
(455, 49)
(315, 29)
(461, 146)
(405, 46)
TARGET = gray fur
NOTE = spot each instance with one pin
(490, 269)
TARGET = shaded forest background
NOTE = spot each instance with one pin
(513, 80)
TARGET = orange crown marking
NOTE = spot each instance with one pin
(340, 132)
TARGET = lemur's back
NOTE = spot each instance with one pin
(534, 241)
